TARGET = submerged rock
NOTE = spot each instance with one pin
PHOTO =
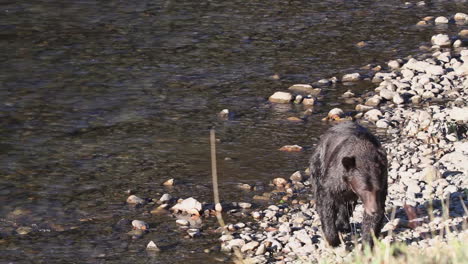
(281, 98)
(152, 246)
(133, 199)
(140, 225)
(24, 230)
(304, 88)
(291, 148)
(169, 182)
(351, 77)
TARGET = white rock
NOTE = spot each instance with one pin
(373, 115)
(249, 246)
(182, 222)
(245, 205)
(302, 236)
(226, 237)
(308, 101)
(280, 98)
(165, 197)
(152, 246)
(397, 99)
(441, 40)
(407, 74)
(256, 215)
(351, 77)
(141, 225)
(373, 101)
(260, 250)
(434, 69)
(413, 186)
(416, 99)
(428, 95)
(188, 205)
(335, 112)
(133, 199)
(348, 94)
(451, 189)
(386, 94)
(224, 114)
(363, 108)
(273, 207)
(296, 177)
(170, 182)
(382, 123)
(460, 17)
(294, 245)
(462, 70)
(393, 64)
(301, 88)
(298, 99)
(193, 232)
(431, 174)
(459, 114)
(424, 118)
(441, 20)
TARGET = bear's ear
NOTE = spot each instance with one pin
(349, 163)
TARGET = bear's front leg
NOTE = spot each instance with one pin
(345, 211)
(371, 225)
(327, 211)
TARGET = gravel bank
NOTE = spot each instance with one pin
(422, 106)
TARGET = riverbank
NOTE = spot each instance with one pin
(420, 104)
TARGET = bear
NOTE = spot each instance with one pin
(348, 164)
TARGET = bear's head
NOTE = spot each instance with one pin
(365, 178)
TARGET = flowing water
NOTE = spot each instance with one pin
(99, 97)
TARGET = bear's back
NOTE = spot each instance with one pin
(347, 139)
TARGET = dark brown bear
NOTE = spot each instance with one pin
(349, 163)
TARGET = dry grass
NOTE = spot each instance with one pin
(455, 251)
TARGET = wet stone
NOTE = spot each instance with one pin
(193, 232)
(133, 199)
(249, 246)
(169, 182)
(296, 177)
(351, 77)
(136, 234)
(244, 205)
(281, 98)
(165, 198)
(152, 246)
(182, 222)
(24, 230)
(140, 225)
(441, 20)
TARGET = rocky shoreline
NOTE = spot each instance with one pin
(422, 106)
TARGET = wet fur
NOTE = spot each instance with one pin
(335, 199)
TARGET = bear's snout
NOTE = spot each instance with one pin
(372, 210)
(371, 204)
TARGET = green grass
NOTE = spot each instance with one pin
(455, 251)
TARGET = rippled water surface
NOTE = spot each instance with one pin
(99, 97)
